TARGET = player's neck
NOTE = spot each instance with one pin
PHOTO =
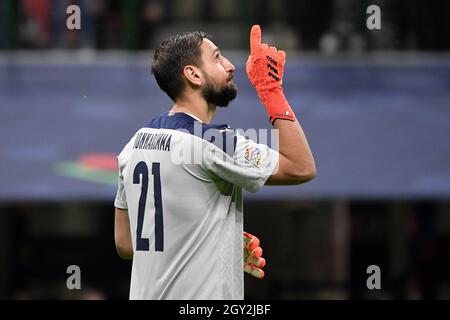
(196, 107)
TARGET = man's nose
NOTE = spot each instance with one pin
(229, 67)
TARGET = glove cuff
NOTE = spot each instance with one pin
(276, 105)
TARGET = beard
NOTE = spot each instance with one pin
(220, 97)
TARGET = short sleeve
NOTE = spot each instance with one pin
(248, 165)
(121, 199)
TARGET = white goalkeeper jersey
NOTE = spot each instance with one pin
(181, 182)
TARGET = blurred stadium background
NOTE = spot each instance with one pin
(375, 105)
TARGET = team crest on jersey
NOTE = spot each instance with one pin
(254, 156)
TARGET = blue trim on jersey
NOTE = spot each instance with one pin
(183, 121)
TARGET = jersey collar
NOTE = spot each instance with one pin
(189, 114)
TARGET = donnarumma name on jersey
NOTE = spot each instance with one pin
(153, 141)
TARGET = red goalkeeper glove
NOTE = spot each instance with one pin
(253, 260)
(265, 68)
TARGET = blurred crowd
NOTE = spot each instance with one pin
(327, 25)
(105, 24)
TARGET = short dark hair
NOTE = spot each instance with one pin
(170, 58)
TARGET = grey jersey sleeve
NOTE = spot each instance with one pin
(121, 198)
(248, 166)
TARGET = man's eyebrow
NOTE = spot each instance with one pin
(215, 50)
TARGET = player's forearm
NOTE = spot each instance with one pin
(294, 146)
(124, 247)
(125, 255)
(122, 234)
(265, 69)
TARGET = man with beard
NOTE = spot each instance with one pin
(181, 221)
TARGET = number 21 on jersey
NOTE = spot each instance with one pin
(140, 176)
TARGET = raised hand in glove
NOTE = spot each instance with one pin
(265, 68)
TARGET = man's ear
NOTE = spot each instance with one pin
(193, 75)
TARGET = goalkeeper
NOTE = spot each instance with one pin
(182, 222)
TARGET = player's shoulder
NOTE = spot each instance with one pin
(220, 135)
(175, 121)
(181, 120)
